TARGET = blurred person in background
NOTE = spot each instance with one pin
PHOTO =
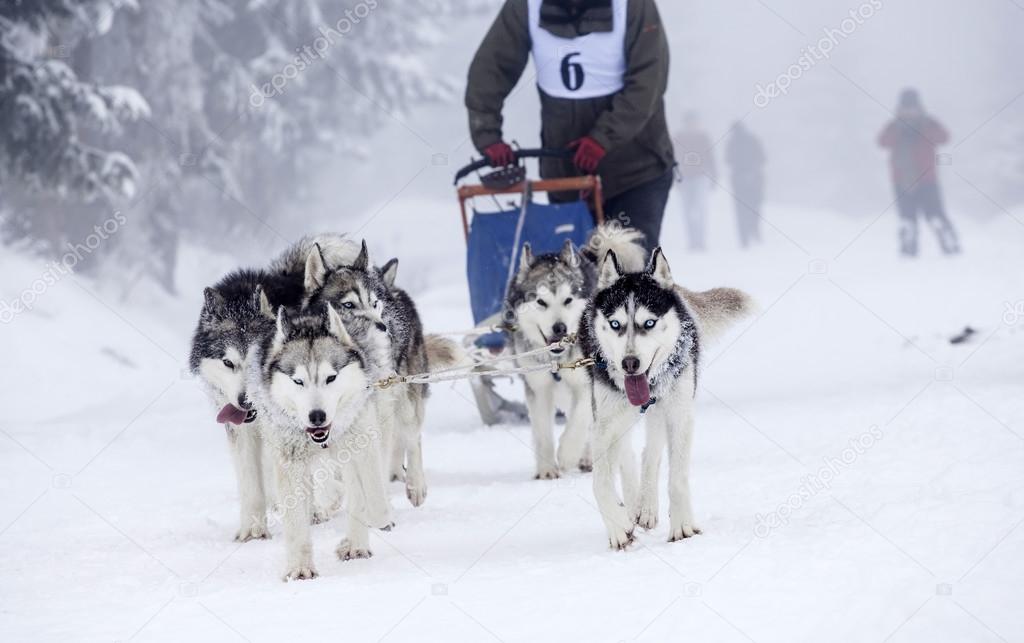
(698, 175)
(745, 157)
(911, 139)
(601, 70)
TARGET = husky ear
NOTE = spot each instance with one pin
(525, 259)
(658, 268)
(338, 327)
(610, 270)
(389, 272)
(568, 253)
(283, 328)
(316, 269)
(362, 259)
(261, 299)
(213, 301)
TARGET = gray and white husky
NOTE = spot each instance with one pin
(312, 383)
(359, 291)
(545, 303)
(645, 333)
(237, 314)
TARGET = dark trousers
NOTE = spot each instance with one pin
(924, 200)
(748, 195)
(642, 207)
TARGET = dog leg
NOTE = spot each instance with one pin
(647, 516)
(394, 441)
(629, 478)
(606, 463)
(328, 493)
(680, 441)
(292, 482)
(416, 483)
(368, 475)
(416, 479)
(541, 404)
(356, 543)
(573, 443)
(247, 452)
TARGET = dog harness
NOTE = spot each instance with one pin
(588, 66)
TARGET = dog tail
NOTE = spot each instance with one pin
(443, 353)
(717, 309)
(337, 250)
(626, 243)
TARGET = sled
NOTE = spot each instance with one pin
(494, 241)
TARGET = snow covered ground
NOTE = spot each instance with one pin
(117, 503)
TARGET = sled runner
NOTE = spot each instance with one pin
(494, 239)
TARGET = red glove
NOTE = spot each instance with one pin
(499, 154)
(588, 154)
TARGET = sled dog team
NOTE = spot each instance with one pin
(292, 356)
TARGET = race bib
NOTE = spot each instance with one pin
(584, 67)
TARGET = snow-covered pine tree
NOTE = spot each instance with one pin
(47, 112)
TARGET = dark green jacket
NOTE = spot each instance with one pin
(629, 125)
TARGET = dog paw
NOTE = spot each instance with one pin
(252, 532)
(347, 551)
(620, 539)
(301, 572)
(685, 530)
(547, 473)
(647, 517)
(320, 517)
(416, 494)
(388, 527)
(586, 465)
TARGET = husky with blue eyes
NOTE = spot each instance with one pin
(544, 304)
(645, 334)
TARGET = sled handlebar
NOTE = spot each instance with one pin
(539, 152)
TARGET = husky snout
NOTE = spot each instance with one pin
(317, 418)
(631, 364)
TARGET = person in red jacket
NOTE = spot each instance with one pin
(911, 139)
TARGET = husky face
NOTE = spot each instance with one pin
(314, 371)
(229, 324)
(356, 292)
(641, 327)
(550, 294)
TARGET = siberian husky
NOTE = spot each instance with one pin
(544, 303)
(646, 333)
(238, 313)
(359, 291)
(312, 383)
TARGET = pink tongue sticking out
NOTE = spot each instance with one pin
(637, 390)
(231, 414)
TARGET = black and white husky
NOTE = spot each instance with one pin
(237, 314)
(545, 302)
(645, 334)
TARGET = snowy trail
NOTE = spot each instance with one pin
(117, 500)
